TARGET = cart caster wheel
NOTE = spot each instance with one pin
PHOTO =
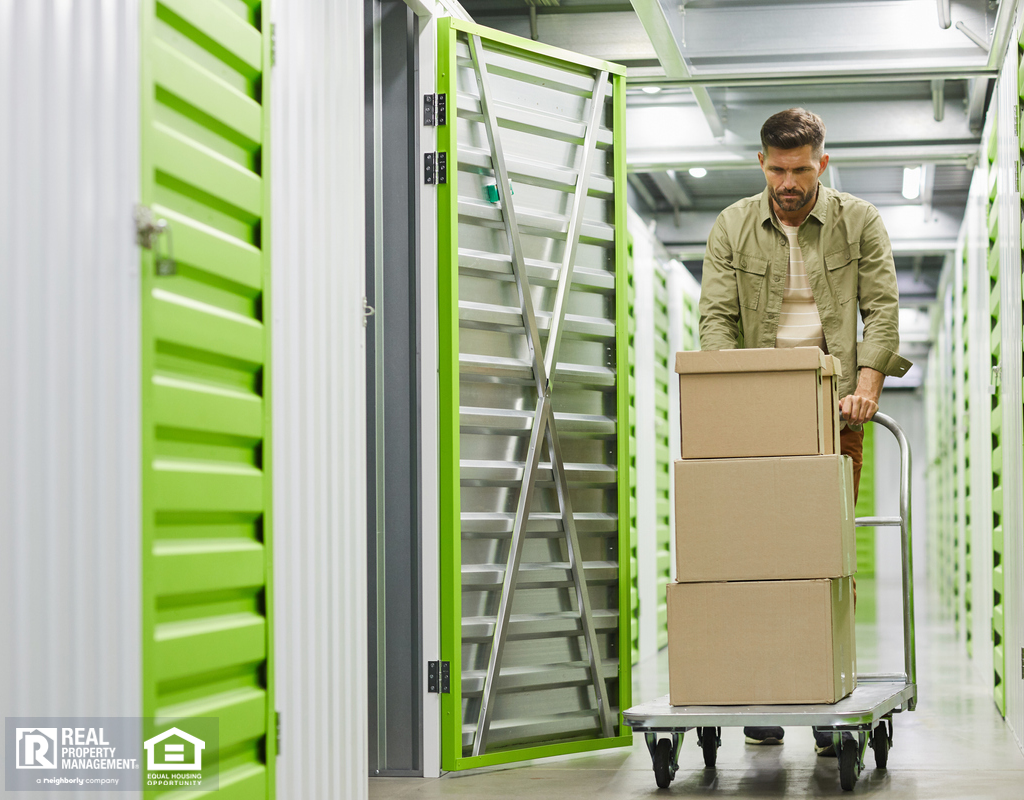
(664, 768)
(709, 744)
(880, 745)
(848, 765)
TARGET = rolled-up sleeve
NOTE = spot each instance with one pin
(719, 297)
(879, 299)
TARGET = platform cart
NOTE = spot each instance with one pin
(862, 719)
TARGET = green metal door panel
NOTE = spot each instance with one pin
(207, 622)
(999, 687)
(663, 372)
(634, 559)
(536, 551)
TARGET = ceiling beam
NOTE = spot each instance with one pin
(939, 99)
(669, 186)
(641, 189)
(644, 76)
(745, 157)
(664, 29)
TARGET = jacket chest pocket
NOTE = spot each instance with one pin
(843, 270)
(750, 271)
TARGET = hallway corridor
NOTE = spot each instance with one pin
(953, 747)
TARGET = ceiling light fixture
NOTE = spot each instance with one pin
(698, 172)
(651, 89)
(911, 182)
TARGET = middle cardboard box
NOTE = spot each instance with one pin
(756, 519)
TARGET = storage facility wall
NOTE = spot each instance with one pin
(70, 632)
(1012, 391)
(976, 416)
(660, 324)
(319, 399)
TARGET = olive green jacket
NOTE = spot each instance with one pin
(849, 266)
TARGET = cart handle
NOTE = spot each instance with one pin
(903, 521)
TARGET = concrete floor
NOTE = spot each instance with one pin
(953, 746)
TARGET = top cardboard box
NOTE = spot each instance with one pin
(758, 402)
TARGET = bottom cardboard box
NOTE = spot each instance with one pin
(761, 642)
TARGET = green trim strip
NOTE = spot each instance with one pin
(544, 751)
(622, 389)
(448, 352)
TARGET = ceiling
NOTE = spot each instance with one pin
(899, 83)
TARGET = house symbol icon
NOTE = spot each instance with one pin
(166, 751)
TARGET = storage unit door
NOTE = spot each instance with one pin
(535, 578)
(206, 445)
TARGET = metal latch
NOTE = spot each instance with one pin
(435, 109)
(439, 677)
(997, 372)
(148, 229)
(435, 168)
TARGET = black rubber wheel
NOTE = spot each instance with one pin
(848, 765)
(709, 744)
(663, 772)
(880, 744)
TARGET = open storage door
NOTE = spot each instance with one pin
(533, 399)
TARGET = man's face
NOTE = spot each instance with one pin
(792, 175)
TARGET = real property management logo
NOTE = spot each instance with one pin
(36, 748)
(111, 753)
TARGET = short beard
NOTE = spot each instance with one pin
(793, 203)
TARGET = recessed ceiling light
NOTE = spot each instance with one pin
(651, 89)
(698, 172)
(911, 182)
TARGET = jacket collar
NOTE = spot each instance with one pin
(819, 212)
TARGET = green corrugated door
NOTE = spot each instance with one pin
(206, 446)
(662, 451)
(995, 335)
(634, 569)
(965, 390)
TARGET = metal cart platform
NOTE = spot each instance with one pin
(860, 720)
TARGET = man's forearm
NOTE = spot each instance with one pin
(869, 384)
(863, 403)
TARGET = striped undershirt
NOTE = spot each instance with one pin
(799, 322)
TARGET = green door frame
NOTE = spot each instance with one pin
(449, 423)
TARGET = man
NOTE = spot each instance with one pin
(791, 267)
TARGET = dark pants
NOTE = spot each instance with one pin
(851, 443)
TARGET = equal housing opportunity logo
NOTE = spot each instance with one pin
(110, 753)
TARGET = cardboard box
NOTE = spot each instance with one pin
(754, 519)
(761, 643)
(764, 402)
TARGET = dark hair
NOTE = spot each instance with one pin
(792, 128)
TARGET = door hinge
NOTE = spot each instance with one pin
(277, 732)
(368, 311)
(273, 43)
(148, 230)
(439, 677)
(435, 168)
(435, 109)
